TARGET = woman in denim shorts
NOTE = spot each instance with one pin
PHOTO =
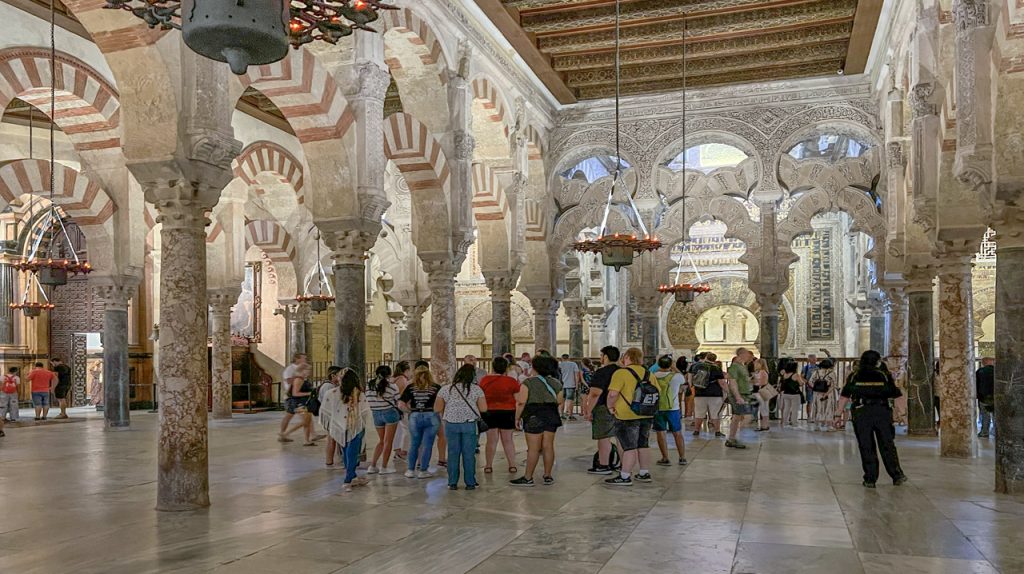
(382, 394)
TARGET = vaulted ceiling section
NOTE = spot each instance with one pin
(570, 44)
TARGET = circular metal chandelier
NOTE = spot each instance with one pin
(247, 33)
(618, 250)
(685, 292)
(318, 301)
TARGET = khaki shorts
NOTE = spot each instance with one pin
(707, 405)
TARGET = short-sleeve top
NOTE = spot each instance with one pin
(540, 393)
(420, 400)
(382, 402)
(500, 391)
(460, 406)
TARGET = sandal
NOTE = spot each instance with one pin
(512, 470)
(442, 463)
(488, 470)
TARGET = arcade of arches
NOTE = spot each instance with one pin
(434, 179)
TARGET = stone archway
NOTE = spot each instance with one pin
(725, 290)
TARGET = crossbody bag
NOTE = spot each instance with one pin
(481, 426)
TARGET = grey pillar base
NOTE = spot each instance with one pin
(350, 317)
(920, 364)
(115, 368)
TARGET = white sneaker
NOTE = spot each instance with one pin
(425, 474)
(387, 470)
(410, 474)
(372, 470)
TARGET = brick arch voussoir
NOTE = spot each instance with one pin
(269, 157)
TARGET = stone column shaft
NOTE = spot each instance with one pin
(898, 342)
(1009, 400)
(350, 316)
(501, 286)
(182, 459)
(768, 323)
(115, 293)
(441, 279)
(575, 332)
(545, 323)
(221, 302)
(920, 360)
(878, 333)
(413, 351)
(956, 360)
(297, 329)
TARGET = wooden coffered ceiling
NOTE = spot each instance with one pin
(570, 44)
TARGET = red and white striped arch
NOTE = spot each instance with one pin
(536, 143)
(489, 200)
(273, 239)
(416, 152)
(83, 200)
(406, 19)
(306, 94)
(268, 157)
(484, 89)
(87, 105)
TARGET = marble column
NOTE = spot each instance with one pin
(898, 342)
(500, 286)
(307, 334)
(575, 315)
(545, 323)
(877, 338)
(115, 292)
(441, 279)
(598, 333)
(297, 313)
(920, 355)
(182, 459)
(768, 321)
(956, 358)
(648, 309)
(221, 302)
(348, 250)
(413, 350)
(1009, 400)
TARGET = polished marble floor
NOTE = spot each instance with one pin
(74, 498)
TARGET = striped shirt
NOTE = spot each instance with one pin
(388, 400)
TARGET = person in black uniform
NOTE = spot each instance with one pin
(869, 389)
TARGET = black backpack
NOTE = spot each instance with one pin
(646, 396)
(822, 382)
(700, 376)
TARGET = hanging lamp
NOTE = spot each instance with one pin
(50, 270)
(685, 292)
(33, 309)
(618, 249)
(247, 33)
(317, 301)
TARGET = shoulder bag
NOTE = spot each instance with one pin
(767, 392)
(481, 426)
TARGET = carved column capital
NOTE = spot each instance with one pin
(895, 155)
(920, 278)
(1009, 226)
(372, 82)
(545, 305)
(222, 300)
(299, 312)
(971, 14)
(115, 290)
(349, 246)
(463, 144)
(500, 285)
(921, 100)
(441, 274)
(575, 311)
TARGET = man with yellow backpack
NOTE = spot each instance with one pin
(671, 385)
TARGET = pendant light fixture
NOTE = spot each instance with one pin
(685, 292)
(247, 33)
(618, 250)
(324, 294)
(53, 264)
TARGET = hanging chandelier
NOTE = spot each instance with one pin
(685, 292)
(324, 295)
(247, 33)
(617, 249)
(33, 309)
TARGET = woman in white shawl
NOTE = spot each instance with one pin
(345, 415)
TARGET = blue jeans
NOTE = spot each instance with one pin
(462, 439)
(351, 454)
(422, 430)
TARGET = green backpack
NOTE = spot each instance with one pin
(664, 388)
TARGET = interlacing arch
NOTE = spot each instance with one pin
(306, 94)
(416, 152)
(489, 200)
(272, 238)
(87, 105)
(406, 19)
(83, 200)
(268, 157)
(485, 89)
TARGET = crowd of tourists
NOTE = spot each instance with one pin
(45, 384)
(621, 399)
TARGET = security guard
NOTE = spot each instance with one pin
(869, 389)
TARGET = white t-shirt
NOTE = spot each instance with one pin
(290, 372)
(569, 370)
(675, 383)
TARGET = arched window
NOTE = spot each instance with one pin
(707, 157)
(594, 168)
(832, 147)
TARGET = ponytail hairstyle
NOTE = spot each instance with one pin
(401, 368)
(383, 373)
(465, 375)
(350, 386)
